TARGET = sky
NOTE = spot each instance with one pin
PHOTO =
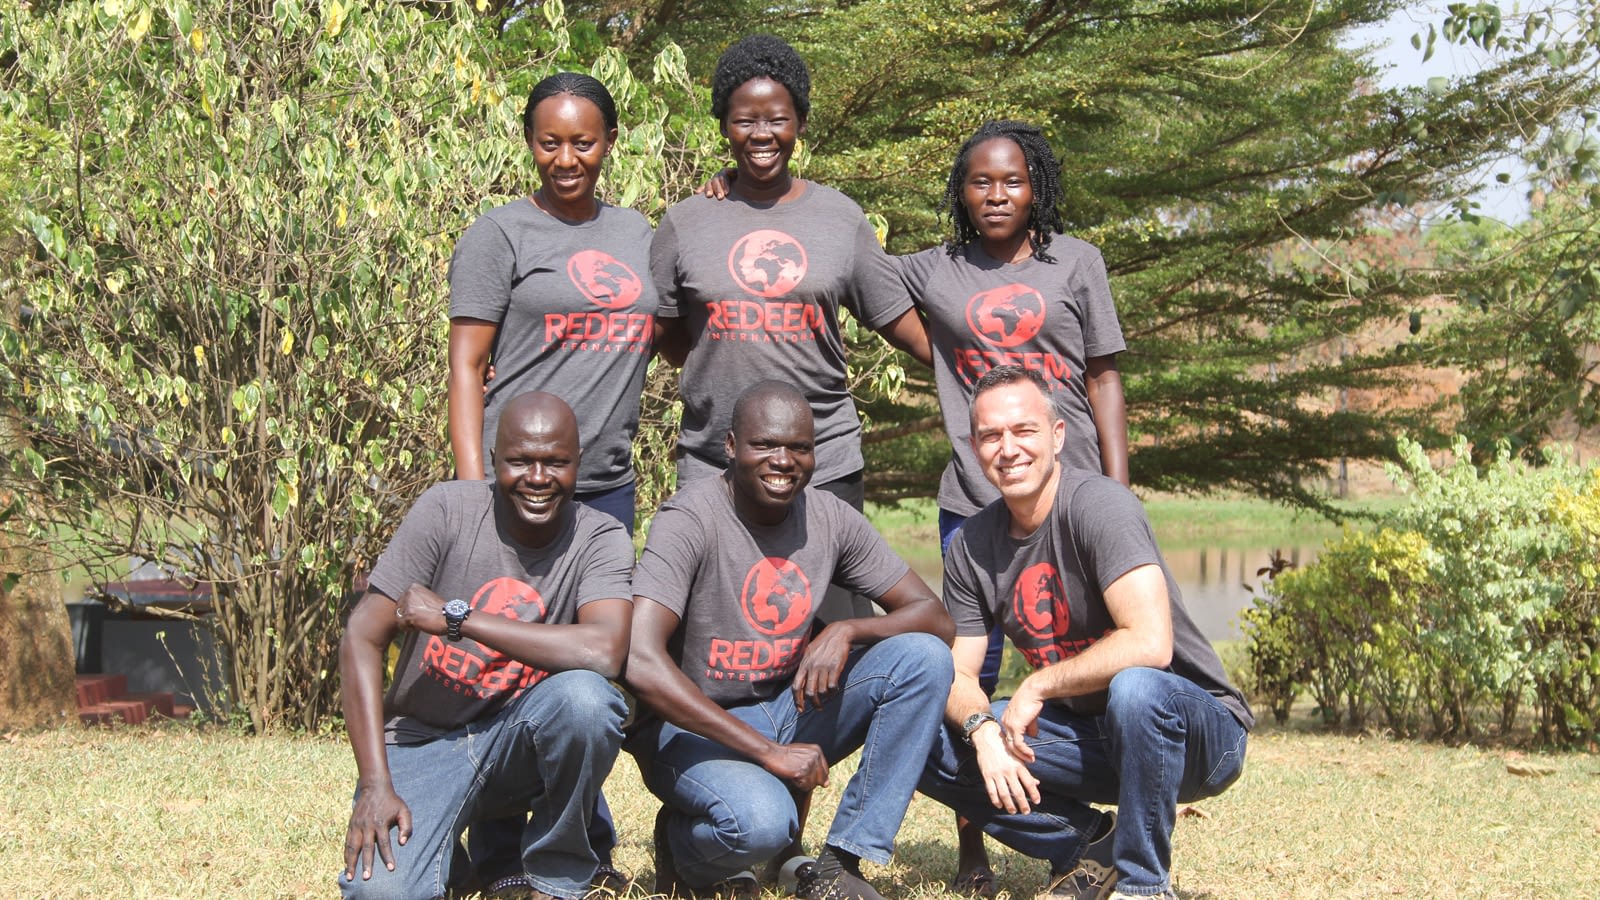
(1402, 66)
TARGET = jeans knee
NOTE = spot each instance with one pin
(383, 885)
(584, 704)
(1134, 696)
(924, 658)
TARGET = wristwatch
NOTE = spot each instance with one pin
(455, 612)
(973, 723)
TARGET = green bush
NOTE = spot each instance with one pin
(1477, 597)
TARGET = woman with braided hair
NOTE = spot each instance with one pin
(1010, 288)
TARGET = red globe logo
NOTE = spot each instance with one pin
(767, 263)
(1040, 602)
(776, 599)
(511, 599)
(607, 282)
(1006, 316)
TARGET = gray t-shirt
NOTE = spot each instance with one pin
(759, 288)
(452, 543)
(1047, 590)
(576, 311)
(747, 594)
(1049, 317)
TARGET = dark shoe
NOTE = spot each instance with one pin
(742, 886)
(1095, 875)
(608, 881)
(830, 879)
(977, 883)
(509, 887)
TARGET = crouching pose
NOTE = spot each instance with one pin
(750, 705)
(1127, 703)
(515, 605)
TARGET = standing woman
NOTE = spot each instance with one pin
(1009, 287)
(553, 290)
(752, 285)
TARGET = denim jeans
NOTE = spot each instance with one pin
(494, 845)
(727, 814)
(1162, 741)
(548, 752)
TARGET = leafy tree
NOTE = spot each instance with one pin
(240, 216)
(1211, 150)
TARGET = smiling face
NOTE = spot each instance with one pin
(761, 127)
(536, 466)
(569, 140)
(1016, 437)
(773, 453)
(998, 196)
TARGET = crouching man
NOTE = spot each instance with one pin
(750, 707)
(1127, 704)
(515, 604)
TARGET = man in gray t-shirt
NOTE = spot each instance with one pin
(1127, 703)
(500, 702)
(741, 703)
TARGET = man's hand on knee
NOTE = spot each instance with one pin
(802, 765)
(376, 811)
(1011, 786)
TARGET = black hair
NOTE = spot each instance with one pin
(763, 394)
(760, 56)
(578, 85)
(1044, 173)
(1006, 376)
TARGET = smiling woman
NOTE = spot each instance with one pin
(752, 286)
(550, 290)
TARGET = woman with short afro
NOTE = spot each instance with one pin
(751, 286)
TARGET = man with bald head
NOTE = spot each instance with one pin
(741, 705)
(513, 607)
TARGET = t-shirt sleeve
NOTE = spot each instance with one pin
(607, 565)
(878, 296)
(867, 565)
(417, 548)
(1112, 535)
(915, 269)
(481, 271)
(671, 557)
(1102, 331)
(962, 596)
(664, 270)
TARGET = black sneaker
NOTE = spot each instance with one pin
(830, 879)
(1095, 875)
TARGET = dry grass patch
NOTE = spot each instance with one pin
(171, 812)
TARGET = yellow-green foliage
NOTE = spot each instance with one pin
(1478, 596)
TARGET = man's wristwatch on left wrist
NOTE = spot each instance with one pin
(455, 612)
(973, 723)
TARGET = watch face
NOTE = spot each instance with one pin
(456, 608)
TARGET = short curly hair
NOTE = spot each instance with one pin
(1044, 171)
(760, 56)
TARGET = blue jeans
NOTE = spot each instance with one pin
(548, 751)
(1161, 741)
(727, 814)
(617, 502)
(494, 845)
(989, 675)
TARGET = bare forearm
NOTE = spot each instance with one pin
(660, 685)
(1104, 385)
(361, 696)
(927, 615)
(555, 648)
(1092, 670)
(966, 698)
(466, 421)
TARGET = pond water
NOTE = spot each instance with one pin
(1213, 581)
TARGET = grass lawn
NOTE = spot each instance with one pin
(176, 812)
